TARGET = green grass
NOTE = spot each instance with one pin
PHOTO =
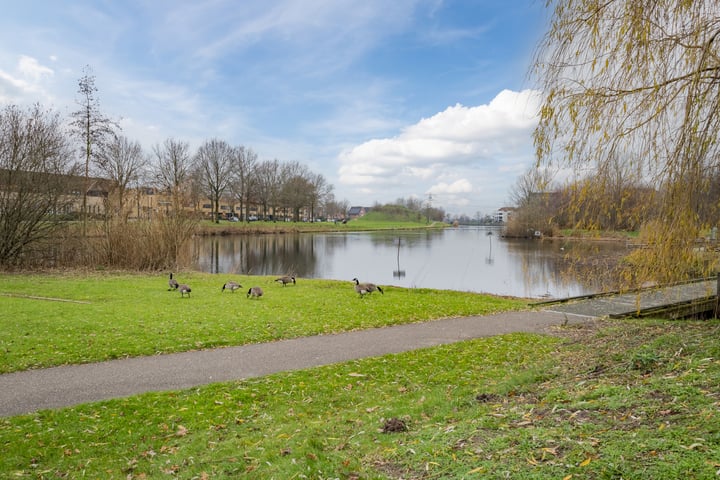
(84, 318)
(401, 217)
(371, 222)
(599, 234)
(576, 405)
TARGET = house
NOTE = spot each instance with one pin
(503, 214)
(356, 212)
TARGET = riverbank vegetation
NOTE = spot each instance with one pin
(395, 216)
(621, 399)
(122, 208)
(54, 319)
(631, 148)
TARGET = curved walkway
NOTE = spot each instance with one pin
(32, 390)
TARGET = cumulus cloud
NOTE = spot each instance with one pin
(26, 80)
(30, 68)
(459, 186)
(454, 153)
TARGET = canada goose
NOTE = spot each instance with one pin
(366, 288)
(232, 286)
(286, 279)
(255, 292)
(184, 289)
(172, 283)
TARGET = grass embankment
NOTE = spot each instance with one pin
(632, 400)
(614, 235)
(98, 317)
(403, 220)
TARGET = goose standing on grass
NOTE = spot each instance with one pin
(232, 286)
(366, 288)
(255, 292)
(172, 283)
(286, 279)
(184, 289)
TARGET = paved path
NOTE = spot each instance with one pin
(29, 391)
(638, 303)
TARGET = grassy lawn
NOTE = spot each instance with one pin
(623, 399)
(60, 319)
(370, 222)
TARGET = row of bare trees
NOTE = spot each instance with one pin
(41, 178)
(607, 201)
(218, 172)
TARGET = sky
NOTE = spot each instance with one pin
(426, 99)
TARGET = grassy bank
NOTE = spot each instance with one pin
(370, 222)
(631, 400)
(58, 319)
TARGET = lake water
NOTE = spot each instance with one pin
(476, 259)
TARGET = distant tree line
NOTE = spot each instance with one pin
(607, 200)
(412, 209)
(219, 171)
(43, 157)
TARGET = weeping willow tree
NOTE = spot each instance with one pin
(639, 81)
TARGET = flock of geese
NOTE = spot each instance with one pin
(361, 289)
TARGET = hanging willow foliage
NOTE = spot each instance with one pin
(638, 81)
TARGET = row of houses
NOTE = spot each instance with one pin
(147, 202)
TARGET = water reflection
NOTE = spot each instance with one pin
(399, 273)
(467, 259)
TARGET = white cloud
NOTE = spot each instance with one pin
(448, 153)
(31, 68)
(458, 186)
(26, 81)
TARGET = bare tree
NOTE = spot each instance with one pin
(244, 164)
(529, 184)
(336, 209)
(172, 170)
(534, 196)
(267, 183)
(319, 193)
(122, 162)
(214, 161)
(92, 127)
(35, 180)
(639, 80)
(294, 187)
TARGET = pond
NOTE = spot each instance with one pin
(476, 259)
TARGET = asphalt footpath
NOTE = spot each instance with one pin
(33, 390)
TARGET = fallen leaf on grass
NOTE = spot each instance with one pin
(692, 447)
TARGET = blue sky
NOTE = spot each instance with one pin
(409, 98)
